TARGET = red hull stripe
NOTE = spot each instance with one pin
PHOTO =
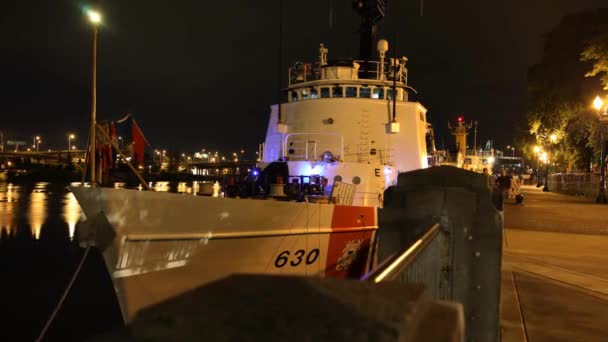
(347, 253)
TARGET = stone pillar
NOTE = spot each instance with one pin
(468, 259)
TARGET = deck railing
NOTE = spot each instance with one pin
(370, 70)
(312, 146)
(418, 263)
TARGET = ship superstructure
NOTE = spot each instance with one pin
(350, 121)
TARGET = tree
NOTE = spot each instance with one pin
(596, 51)
(559, 94)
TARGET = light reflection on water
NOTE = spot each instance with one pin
(40, 206)
(37, 209)
(9, 194)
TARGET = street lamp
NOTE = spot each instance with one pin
(598, 104)
(545, 159)
(36, 142)
(512, 148)
(95, 19)
(537, 150)
(552, 140)
(70, 137)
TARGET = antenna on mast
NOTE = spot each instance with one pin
(331, 15)
(280, 55)
(371, 12)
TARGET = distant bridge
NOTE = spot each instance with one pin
(57, 155)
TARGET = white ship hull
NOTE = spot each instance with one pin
(158, 245)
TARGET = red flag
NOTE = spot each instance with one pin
(139, 143)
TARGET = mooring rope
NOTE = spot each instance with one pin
(64, 296)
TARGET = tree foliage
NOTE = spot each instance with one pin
(559, 94)
(596, 51)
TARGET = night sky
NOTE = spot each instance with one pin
(202, 74)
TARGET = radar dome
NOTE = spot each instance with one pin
(382, 45)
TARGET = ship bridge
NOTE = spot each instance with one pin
(349, 78)
(349, 110)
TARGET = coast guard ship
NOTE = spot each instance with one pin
(347, 128)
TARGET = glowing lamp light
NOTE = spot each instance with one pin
(491, 160)
(94, 17)
(460, 118)
(598, 103)
(553, 138)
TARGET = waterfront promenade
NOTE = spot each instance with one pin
(554, 269)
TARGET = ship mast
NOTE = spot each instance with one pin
(371, 12)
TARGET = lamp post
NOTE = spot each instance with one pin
(36, 144)
(95, 19)
(537, 152)
(545, 159)
(552, 140)
(598, 104)
(70, 137)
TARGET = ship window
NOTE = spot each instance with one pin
(305, 94)
(294, 96)
(324, 92)
(336, 92)
(378, 93)
(314, 94)
(351, 91)
(389, 94)
(365, 92)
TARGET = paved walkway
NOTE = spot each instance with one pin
(555, 269)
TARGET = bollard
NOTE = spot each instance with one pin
(465, 264)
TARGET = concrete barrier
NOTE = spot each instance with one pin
(288, 308)
(466, 258)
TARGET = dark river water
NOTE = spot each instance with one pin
(39, 256)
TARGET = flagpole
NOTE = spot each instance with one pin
(95, 18)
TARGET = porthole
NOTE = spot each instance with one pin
(337, 178)
(356, 180)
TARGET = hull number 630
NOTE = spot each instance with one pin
(296, 258)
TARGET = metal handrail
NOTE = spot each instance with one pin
(394, 265)
(286, 139)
